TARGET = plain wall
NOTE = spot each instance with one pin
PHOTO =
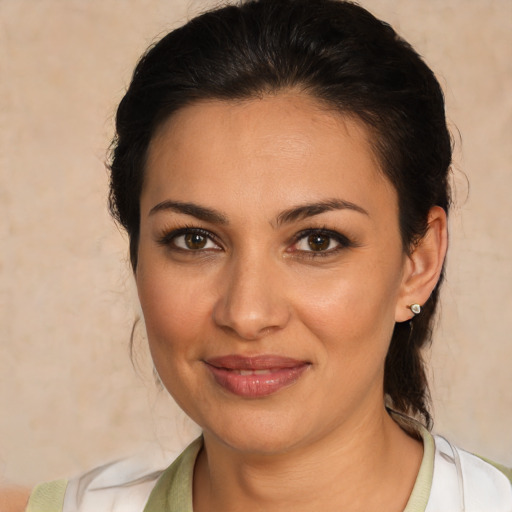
(69, 395)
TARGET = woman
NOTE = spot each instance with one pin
(281, 168)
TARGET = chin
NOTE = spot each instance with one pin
(257, 443)
(259, 432)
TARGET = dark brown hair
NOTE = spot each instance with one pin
(334, 51)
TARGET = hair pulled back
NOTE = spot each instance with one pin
(336, 52)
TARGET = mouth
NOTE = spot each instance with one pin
(257, 376)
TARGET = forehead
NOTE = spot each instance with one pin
(287, 144)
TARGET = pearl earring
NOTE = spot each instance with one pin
(415, 308)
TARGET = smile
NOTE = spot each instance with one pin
(255, 377)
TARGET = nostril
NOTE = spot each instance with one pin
(248, 330)
(250, 321)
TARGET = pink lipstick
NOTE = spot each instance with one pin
(257, 376)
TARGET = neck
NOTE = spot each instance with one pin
(370, 464)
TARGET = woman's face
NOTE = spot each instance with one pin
(270, 269)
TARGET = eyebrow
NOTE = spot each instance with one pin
(312, 209)
(285, 217)
(200, 212)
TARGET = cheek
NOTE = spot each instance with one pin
(175, 315)
(351, 322)
(353, 309)
(176, 310)
(354, 324)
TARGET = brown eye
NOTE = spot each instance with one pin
(195, 241)
(318, 242)
(190, 240)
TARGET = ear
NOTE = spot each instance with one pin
(423, 266)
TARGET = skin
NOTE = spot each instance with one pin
(258, 286)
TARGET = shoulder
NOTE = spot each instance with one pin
(461, 479)
(123, 485)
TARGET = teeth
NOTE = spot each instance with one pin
(254, 372)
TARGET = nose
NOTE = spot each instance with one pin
(251, 302)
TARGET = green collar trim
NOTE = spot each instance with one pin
(47, 497)
(423, 485)
(173, 491)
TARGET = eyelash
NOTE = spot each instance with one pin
(167, 239)
(342, 241)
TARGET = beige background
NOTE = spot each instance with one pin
(69, 396)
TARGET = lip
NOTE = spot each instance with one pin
(255, 376)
